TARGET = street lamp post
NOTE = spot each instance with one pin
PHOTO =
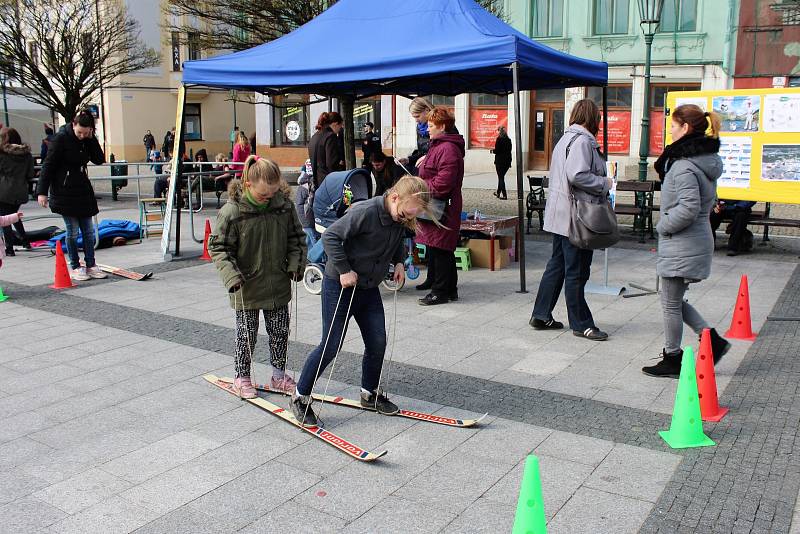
(650, 18)
(5, 98)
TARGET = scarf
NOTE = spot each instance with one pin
(261, 208)
(422, 129)
(687, 146)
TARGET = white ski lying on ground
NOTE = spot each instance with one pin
(330, 438)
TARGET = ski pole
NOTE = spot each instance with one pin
(391, 350)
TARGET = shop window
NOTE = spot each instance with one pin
(611, 16)
(367, 110)
(486, 114)
(679, 16)
(194, 46)
(548, 18)
(290, 120)
(193, 122)
(619, 99)
(658, 101)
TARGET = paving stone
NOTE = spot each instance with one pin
(28, 515)
(484, 517)
(21, 424)
(17, 484)
(581, 449)
(185, 520)
(596, 512)
(400, 516)
(285, 519)
(634, 472)
(82, 491)
(112, 516)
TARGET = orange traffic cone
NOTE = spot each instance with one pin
(61, 280)
(741, 327)
(206, 256)
(710, 409)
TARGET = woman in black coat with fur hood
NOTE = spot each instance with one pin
(16, 170)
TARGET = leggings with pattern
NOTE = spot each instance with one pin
(277, 323)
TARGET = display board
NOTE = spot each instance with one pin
(760, 141)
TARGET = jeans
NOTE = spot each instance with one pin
(86, 227)
(569, 267)
(160, 187)
(311, 237)
(8, 209)
(676, 312)
(501, 180)
(442, 272)
(740, 217)
(367, 310)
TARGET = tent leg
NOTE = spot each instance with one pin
(520, 190)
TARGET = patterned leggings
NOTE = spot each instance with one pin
(277, 322)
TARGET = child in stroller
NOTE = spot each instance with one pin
(337, 192)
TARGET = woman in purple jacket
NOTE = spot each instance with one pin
(443, 170)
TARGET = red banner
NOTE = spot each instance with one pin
(483, 124)
(656, 132)
(619, 132)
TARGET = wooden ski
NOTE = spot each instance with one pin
(352, 450)
(350, 403)
(119, 271)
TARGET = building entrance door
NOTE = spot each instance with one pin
(547, 121)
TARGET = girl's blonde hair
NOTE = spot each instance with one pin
(220, 157)
(242, 140)
(410, 188)
(258, 169)
(420, 105)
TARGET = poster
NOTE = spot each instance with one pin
(702, 103)
(782, 113)
(292, 130)
(619, 132)
(780, 163)
(656, 132)
(483, 124)
(736, 155)
(738, 113)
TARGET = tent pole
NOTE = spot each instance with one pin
(520, 191)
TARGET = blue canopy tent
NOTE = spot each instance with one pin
(442, 47)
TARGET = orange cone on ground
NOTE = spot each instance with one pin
(61, 280)
(710, 409)
(741, 327)
(206, 256)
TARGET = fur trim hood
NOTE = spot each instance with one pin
(15, 150)
(688, 147)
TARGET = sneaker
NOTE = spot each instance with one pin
(95, 272)
(379, 402)
(432, 300)
(301, 408)
(284, 385)
(592, 333)
(243, 387)
(719, 345)
(668, 367)
(550, 324)
(79, 274)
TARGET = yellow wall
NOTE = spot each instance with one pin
(758, 189)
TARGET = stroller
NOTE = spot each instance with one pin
(338, 191)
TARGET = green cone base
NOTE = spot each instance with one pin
(678, 443)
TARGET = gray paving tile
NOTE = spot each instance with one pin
(17, 484)
(596, 512)
(285, 519)
(504, 441)
(35, 379)
(28, 515)
(634, 472)
(21, 424)
(185, 520)
(20, 451)
(574, 448)
(83, 403)
(33, 399)
(82, 491)
(112, 516)
(484, 517)
(400, 516)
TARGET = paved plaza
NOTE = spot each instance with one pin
(108, 425)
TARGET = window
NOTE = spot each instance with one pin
(33, 53)
(441, 100)
(610, 16)
(679, 16)
(193, 122)
(290, 120)
(367, 110)
(486, 114)
(548, 18)
(194, 46)
(550, 95)
(619, 99)
(658, 101)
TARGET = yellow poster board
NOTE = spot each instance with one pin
(760, 137)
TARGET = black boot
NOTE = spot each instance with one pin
(301, 408)
(424, 286)
(668, 367)
(379, 403)
(719, 345)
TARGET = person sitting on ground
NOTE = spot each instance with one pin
(739, 211)
(385, 172)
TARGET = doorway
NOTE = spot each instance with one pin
(547, 126)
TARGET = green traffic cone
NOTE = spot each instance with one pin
(3, 298)
(530, 517)
(686, 429)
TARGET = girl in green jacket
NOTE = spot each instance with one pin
(258, 247)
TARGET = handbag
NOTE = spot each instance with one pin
(591, 226)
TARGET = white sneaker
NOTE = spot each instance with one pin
(95, 272)
(79, 274)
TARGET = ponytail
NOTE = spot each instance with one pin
(699, 121)
(715, 123)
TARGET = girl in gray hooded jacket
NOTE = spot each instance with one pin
(689, 169)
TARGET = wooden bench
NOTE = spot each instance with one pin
(535, 201)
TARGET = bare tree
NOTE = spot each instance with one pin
(238, 25)
(62, 55)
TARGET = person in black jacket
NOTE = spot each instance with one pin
(370, 145)
(385, 172)
(323, 148)
(502, 161)
(65, 178)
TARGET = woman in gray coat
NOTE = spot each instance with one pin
(689, 169)
(577, 164)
